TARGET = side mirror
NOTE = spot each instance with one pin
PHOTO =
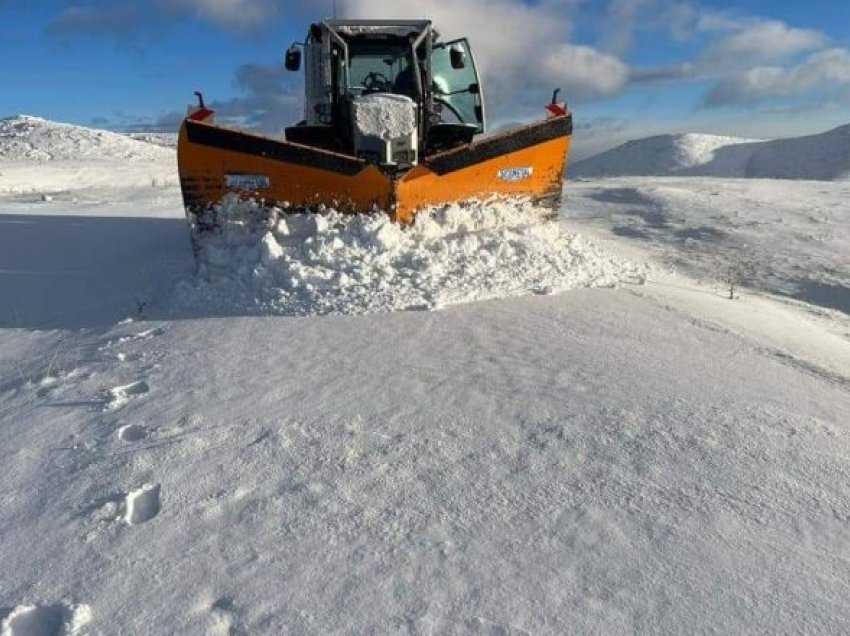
(293, 58)
(457, 56)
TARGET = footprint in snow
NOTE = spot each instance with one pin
(132, 433)
(118, 396)
(223, 618)
(143, 504)
(46, 620)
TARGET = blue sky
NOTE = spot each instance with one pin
(629, 68)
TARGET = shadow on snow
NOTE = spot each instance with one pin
(70, 272)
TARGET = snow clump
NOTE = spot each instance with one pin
(384, 115)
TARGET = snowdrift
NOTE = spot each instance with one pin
(822, 157)
(330, 263)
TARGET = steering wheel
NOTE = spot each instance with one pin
(376, 82)
(452, 109)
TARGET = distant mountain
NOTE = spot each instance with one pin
(25, 138)
(824, 157)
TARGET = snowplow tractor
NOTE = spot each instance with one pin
(394, 120)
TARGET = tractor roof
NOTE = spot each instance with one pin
(397, 28)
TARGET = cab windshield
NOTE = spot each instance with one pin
(386, 69)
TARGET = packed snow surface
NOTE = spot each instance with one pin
(384, 115)
(341, 264)
(645, 458)
(825, 156)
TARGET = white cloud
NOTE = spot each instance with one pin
(621, 23)
(583, 71)
(752, 59)
(118, 18)
(827, 70)
(624, 18)
(760, 41)
(113, 21)
(229, 14)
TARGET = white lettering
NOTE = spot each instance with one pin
(515, 174)
(247, 181)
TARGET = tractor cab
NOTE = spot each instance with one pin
(387, 91)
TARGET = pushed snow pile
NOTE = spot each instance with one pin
(25, 138)
(330, 263)
(824, 157)
(384, 115)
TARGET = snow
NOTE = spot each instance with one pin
(35, 620)
(384, 115)
(25, 138)
(660, 155)
(40, 157)
(649, 458)
(785, 237)
(303, 264)
(164, 139)
(400, 30)
(816, 157)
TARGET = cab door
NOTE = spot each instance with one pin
(455, 83)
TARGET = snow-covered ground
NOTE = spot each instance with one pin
(642, 457)
(779, 236)
(167, 140)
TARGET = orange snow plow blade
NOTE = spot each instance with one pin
(528, 162)
(214, 160)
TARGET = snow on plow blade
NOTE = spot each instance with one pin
(214, 160)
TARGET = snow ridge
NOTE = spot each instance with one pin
(822, 157)
(26, 138)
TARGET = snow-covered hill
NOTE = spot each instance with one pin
(26, 138)
(661, 155)
(825, 157)
(38, 156)
(179, 453)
